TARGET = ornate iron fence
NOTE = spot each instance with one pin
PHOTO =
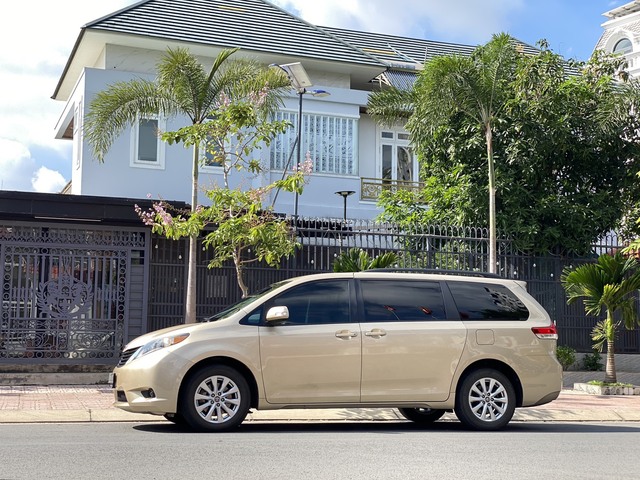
(68, 291)
(322, 240)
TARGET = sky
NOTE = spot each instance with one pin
(37, 37)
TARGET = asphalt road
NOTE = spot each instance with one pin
(309, 451)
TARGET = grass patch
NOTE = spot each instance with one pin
(604, 384)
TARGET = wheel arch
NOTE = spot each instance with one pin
(229, 362)
(500, 366)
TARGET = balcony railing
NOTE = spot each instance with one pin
(371, 188)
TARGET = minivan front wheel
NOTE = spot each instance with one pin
(485, 400)
(421, 416)
(215, 399)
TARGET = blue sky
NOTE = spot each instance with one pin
(32, 160)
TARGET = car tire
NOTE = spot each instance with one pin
(421, 416)
(485, 400)
(215, 399)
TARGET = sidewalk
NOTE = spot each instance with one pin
(93, 403)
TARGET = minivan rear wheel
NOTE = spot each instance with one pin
(421, 416)
(485, 400)
(215, 399)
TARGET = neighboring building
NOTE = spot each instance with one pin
(622, 34)
(350, 152)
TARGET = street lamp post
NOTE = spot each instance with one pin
(344, 194)
(300, 81)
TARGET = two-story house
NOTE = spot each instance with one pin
(622, 34)
(351, 153)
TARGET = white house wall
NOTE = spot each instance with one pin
(116, 177)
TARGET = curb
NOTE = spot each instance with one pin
(310, 416)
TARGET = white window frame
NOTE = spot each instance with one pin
(158, 164)
(395, 142)
(77, 133)
(207, 168)
(321, 143)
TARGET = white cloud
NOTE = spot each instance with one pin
(20, 171)
(31, 63)
(48, 181)
(16, 166)
(470, 20)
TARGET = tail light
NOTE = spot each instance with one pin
(548, 332)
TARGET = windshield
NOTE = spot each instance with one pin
(231, 309)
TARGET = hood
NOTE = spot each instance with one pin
(147, 337)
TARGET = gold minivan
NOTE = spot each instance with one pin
(423, 343)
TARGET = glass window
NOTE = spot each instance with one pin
(316, 303)
(146, 146)
(331, 142)
(148, 140)
(212, 154)
(402, 301)
(397, 158)
(623, 46)
(480, 301)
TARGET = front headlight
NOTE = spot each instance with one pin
(157, 344)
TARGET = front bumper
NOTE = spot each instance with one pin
(149, 384)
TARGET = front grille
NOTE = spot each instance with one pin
(126, 355)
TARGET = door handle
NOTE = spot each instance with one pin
(376, 332)
(346, 334)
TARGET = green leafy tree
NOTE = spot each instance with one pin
(608, 285)
(357, 260)
(243, 229)
(183, 87)
(565, 148)
(452, 87)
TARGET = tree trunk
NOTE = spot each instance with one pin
(190, 300)
(239, 274)
(610, 370)
(493, 257)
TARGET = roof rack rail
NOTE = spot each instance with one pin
(440, 271)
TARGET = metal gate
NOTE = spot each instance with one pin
(66, 291)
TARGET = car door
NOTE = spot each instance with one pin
(410, 348)
(313, 357)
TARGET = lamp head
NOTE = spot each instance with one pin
(345, 193)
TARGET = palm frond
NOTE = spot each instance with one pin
(384, 260)
(119, 106)
(390, 105)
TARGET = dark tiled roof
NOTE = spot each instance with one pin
(249, 24)
(392, 49)
(403, 54)
(402, 80)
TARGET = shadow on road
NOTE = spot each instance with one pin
(400, 427)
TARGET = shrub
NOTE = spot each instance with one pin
(592, 362)
(566, 356)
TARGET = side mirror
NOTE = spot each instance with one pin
(276, 314)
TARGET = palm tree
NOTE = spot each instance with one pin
(474, 86)
(607, 284)
(182, 88)
(357, 260)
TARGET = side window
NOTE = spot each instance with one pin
(254, 318)
(484, 301)
(211, 155)
(316, 303)
(402, 301)
(147, 150)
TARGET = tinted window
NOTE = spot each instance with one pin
(482, 301)
(401, 301)
(317, 302)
